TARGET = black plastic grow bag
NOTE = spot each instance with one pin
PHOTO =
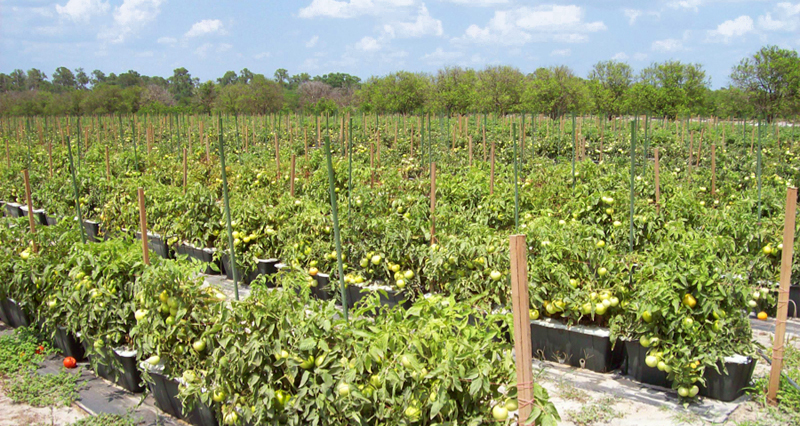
(323, 290)
(16, 314)
(578, 346)
(14, 209)
(128, 378)
(4, 316)
(636, 368)
(728, 387)
(389, 298)
(39, 216)
(92, 230)
(165, 391)
(51, 220)
(794, 301)
(69, 344)
(242, 276)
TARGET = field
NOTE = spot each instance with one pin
(665, 234)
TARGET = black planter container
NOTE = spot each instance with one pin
(68, 344)
(728, 387)
(51, 220)
(165, 391)
(4, 316)
(2, 209)
(243, 276)
(129, 378)
(157, 244)
(39, 216)
(323, 290)
(16, 314)
(92, 230)
(578, 346)
(14, 209)
(389, 298)
(794, 301)
(635, 366)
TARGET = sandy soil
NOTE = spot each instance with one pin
(12, 414)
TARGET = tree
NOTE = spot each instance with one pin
(771, 78)
(19, 80)
(181, 85)
(98, 77)
(63, 78)
(674, 89)
(298, 79)
(609, 82)
(454, 90)
(206, 95)
(230, 77)
(81, 79)
(245, 76)
(499, 89)
(311, 92)
(338, 79)
(36, 79)
(281, 76)
(555, 91)
(403, 92)
(129, 79)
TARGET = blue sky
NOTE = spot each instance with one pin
(375, 37)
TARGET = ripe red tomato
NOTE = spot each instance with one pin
(69, 362)
(40, 350)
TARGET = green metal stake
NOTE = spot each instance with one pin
(336, 233)
(135, 149)
(516, 181)
(646, 137)
(633, 172)
(350, 174)
(574, 146)
(758, 172)
(228, 212)
(77, 192)
(533, 138)
(430, 145)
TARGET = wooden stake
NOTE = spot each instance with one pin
(277, 157)
(185, 176)
(469, 139)
(28, 200)
(433, 203)
(291, 177)
(108, 166)
(522, 325)
(203, 138)
(658, 181)
(371, 165)
(491, 176)
(483, 127)
(713, 170)
(143, 227)
(691, 149)
(783, 296)
(50, 156)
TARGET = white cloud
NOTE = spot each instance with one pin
(145, 54)
(129, 17)
(350, 9)
(543, 23)
(82, 10)
(440, 56)
(206, 26)
(422, 26)
(262, 55)
(621, 56)
(685, 4)
(204, 50)
(167, 40)
(667, 45)
(639, 56)
(561, 52)
(368, 44)
(788, 18)
(478, 2)
(632, 15)
(313, 42)
(732, 28)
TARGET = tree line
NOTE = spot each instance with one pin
(766, 84)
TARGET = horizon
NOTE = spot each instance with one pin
(369, 38)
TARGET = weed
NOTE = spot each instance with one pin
(602, 411)
(568, 391)
(42, 390)
(106, 420)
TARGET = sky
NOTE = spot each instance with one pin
(377, 37)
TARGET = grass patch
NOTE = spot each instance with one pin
(568, 391)
(42, 390)
(22, 350)
(106, 420)
(601, 411)
(788, 409)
